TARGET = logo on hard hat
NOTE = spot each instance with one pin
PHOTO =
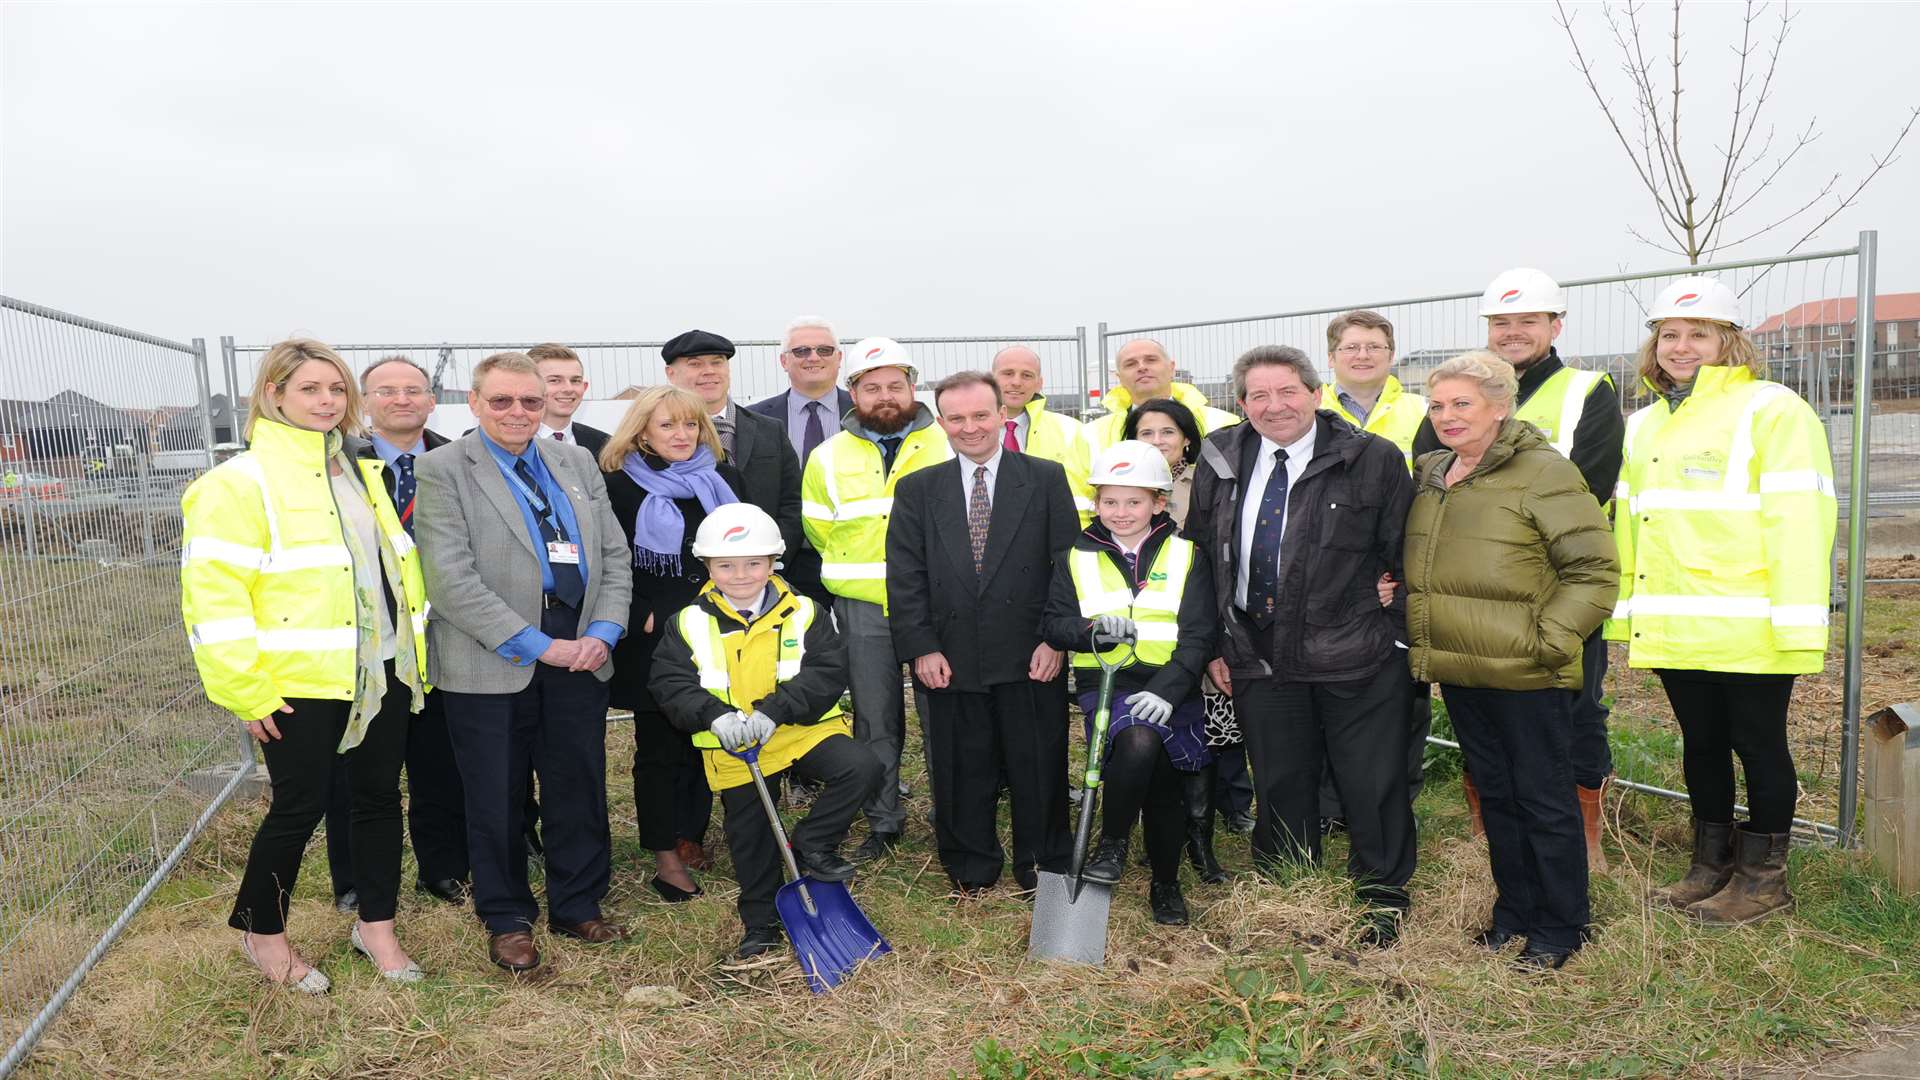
(1688, 300)
(1510, 296)
(1121, 467)
(876, 351)
(738, 532)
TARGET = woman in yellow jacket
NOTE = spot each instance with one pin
(306, 613)
(1724, 516)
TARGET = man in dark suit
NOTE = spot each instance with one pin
(701, 363)
(530, 578)
(566, 379)
(971, 550)
(808, 413)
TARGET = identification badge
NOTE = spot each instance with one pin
(561, 552)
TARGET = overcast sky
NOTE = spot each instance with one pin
(397, 173)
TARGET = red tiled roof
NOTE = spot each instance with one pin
(1888, 307)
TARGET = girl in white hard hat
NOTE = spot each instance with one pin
(1129, 577)
(751, 662)
(1724, 516)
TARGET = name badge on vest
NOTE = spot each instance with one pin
(560, 551)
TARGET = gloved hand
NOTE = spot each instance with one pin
(759, 727)
(1117, 627)
(733, 730)
(1152, 708)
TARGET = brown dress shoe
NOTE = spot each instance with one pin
(593, 931)
(514, 951)
(693, 855)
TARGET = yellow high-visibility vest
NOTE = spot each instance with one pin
(1155, 609)
(1105, 431)
(266, 578)
(1726, 516)
(1060, 439)
(846, 496)
(1395, 417)
(1555, 407)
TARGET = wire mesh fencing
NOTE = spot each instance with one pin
(111, 760)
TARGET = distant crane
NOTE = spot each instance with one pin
(440, 369)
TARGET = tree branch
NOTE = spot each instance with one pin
(1644, 171)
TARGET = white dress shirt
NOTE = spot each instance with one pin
(1299, 452)
(967, 466)
(565, 433)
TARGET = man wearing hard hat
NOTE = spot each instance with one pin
(1145, 371)
(1579, 413)
(846, 498)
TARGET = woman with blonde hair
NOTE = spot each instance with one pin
(306, 613)
(664, 476)
(1725, 515)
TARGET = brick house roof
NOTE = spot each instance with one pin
(1888, 307)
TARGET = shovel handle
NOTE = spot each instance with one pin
(751, 755)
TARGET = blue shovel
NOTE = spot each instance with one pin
(829, 932)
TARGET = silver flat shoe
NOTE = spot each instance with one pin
(409, 974)
(313, 982)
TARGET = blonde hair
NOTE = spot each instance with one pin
(1493, 374)
(278, 366)
(630, 435)
(1736, 350)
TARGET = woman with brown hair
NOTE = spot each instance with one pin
(664, 475)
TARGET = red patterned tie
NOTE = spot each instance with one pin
(1011, 442)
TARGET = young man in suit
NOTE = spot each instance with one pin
(809, 413)
(566, 380)
(971, 550)
(530, 577)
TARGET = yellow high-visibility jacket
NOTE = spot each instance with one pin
(1725, 521)
(846, 496)
(1105, 431)
(1395, 417)
(1061, 439)
(1556, 407)
(266, 579)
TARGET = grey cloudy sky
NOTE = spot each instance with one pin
(392, 172)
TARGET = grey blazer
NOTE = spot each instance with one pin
(483, 577)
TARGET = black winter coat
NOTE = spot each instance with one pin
(1346, 523)
(1199, 634)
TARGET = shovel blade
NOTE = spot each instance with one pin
(1069, 928)
(832, 940)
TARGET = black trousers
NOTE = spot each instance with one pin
(1019, 728)
(1723, 713)
(300, 765)
(1359, 730)
(436, 807)
(670, 797)
(1139, 782)
(1516, 746)
(849, 772)
(1591, 755)
(557, 728)
(1232, 787)
(1419, 726)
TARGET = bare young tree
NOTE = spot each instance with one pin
(1698, 216)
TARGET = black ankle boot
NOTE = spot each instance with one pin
(1197, 788)
(1108, 863)
(1169, 907)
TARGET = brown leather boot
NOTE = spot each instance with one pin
(1593, 814)
(1758, 887)
(1475, 822)
(1712, 866)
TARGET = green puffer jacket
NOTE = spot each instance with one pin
(1508, 571)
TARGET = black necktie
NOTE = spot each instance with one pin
(567, 583)
(1263, 564)
(889, 449)
(405, 487)
(815, 433)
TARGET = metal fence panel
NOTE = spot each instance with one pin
(111, 759)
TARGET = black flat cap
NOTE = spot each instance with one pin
(696, 343)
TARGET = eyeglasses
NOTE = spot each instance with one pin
(1356, 350)
(801, 352)
(505, 402)
(400, 392)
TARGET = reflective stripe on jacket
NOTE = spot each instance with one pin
(1061, 439)
(1395, 417)
(266, 580)
(1556, 406)
(846, 497)
(1155, 609)
(1105, 431)
(1725, 527)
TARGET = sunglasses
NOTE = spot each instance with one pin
(504, 402)
(801, 352)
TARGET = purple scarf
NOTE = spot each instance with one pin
(659, 528)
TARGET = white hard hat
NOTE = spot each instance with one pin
(1696, 298)
(879, 352)
(738, 529)
(1132, 463)
(1521, 290)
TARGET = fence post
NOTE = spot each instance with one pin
(1857, 533)
(206, 395)
(1080, 335)
(1105, 374)
(230, 370)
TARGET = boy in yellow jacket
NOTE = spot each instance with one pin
(751, 662)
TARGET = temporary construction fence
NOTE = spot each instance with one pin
(111, 759)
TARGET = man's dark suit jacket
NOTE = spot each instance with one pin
(770, 475)
(988, 624)
(591, 439)
(801, 567)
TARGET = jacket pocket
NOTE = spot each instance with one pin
(1348, 523)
